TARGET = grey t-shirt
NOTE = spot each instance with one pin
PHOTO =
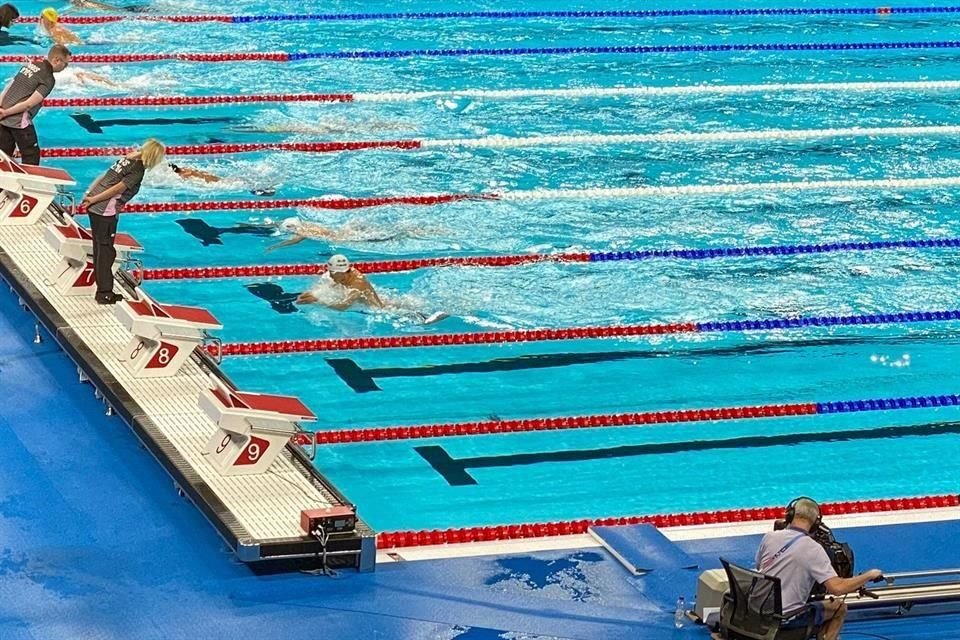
(799, 566)
(32, 77)
(128, 170)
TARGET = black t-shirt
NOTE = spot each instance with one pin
(31, 77)
(127, 170)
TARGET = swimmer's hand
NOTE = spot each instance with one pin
(306, 298)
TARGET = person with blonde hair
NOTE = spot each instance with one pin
(50, 21)
(104, 202)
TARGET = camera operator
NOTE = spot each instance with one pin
(800, 562)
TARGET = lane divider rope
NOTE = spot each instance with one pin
(505, 94)
(393, 266)
(506, 142)
(313, 203)
(285, 56)
(617, 420)
(577, 333)
(495, 15)
(545, 194)
(399, 539)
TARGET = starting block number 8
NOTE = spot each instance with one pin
(163, 354)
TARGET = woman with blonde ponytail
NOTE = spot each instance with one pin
(104, 201)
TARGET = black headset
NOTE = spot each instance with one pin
(792, 510)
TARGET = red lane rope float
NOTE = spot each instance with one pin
(316, 203)
(395, 539)
(526, 425)
(219, 149)
(378, 266)
(176, 101)
(119, 58)
(576, 333)
(450, 339)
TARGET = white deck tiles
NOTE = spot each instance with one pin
(268, 505)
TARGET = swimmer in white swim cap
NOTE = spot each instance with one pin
(355, 286)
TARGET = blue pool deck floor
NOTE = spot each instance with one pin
(95, 543)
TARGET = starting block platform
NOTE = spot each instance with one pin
(257, 511)
(253, 427)
(74, 274)
(164, 335)
(27, 190)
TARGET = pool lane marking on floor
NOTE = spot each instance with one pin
(364, 380)
(455, 470)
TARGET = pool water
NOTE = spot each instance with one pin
(584, 473)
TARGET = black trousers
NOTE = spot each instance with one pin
(24, 139)
(104, 229)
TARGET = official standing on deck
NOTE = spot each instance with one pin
(21, 101)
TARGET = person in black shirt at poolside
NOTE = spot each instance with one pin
(22, 99)
(104, 201)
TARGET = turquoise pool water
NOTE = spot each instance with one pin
(587, 473)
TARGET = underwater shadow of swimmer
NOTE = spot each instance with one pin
(280, 301)
(208, 235)
(86, 121)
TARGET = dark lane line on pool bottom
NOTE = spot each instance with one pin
(364, 380)
(454, 470)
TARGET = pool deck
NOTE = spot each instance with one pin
(258, 514)
(95, 542)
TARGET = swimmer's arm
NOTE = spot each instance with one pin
(371, 296)
(83, 76)
(344, 304)
(186, 172)
(306, 298)
(286, 243)
(62, 35)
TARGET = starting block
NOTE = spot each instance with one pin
(74, 275)
(27, 190)
(164, 335)
(252, 427)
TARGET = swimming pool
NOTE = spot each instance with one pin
(496, 479)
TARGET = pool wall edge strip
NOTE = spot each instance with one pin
(248, 549)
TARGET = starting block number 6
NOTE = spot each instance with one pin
(25, 207)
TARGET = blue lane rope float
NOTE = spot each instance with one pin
(651, 13)
(781, 250)
(629, 49)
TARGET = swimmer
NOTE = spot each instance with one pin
(50, 21)
(83, 77)
(358, 289)
(356, 286)
(323, 128)
(103, 6)
(302, 230)
(189, 173)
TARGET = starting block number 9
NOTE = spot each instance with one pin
(253, 451)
